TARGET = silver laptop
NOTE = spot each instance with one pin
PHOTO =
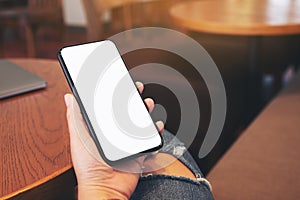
(16, 80)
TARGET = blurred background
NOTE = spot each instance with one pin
(39, 28)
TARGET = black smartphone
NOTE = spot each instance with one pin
(114, 112)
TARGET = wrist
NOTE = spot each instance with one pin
(99, 193)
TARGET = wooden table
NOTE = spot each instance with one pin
(251, 18)
(264, 162)
(34, 146)
(239, 17)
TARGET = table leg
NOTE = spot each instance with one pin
(254, 82)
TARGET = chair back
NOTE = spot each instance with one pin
(95, 11)
(44, 5)
(45, 10)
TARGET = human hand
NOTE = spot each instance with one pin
(96, 179)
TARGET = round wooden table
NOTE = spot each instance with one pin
(254, 19)
(239, 17)
(35, 156)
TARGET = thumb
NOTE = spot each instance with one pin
(80, 139)
(75, 122)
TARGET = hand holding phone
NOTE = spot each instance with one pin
(89, 165)
(115, 114)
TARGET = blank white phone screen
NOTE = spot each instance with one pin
(114, 107)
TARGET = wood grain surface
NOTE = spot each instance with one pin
(34, 144)
(239, 17)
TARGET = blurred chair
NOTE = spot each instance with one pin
(15, 15)
(28, 18)
(96, 10)
(125, 14)
(46, 13)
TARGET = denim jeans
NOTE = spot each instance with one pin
(162, 187)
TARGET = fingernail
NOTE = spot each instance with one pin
(138, 84)
(67, 99)
(160, 124)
